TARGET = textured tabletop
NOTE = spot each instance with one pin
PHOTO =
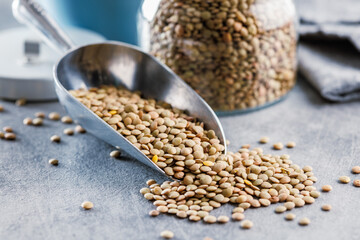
(40, 201)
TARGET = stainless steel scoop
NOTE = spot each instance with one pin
(112, 63)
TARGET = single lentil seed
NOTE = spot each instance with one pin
(80, 129)
(223, 219)
(37, 121)
(10, 136)
(87, 205)
(167, 234)
(66, 119)
(356, 183)
(304, 221)
(355, 169)
(154, 213)
(326, 188)
(280, 209)
(326, 207)
(264, 140)
(210, 219)
(55, 138)
(27, 121)
(69, 131)
(54, 161)
(20, 102)
(238, 216)
(278, 146)
(115, 154)
(54, 116)
(246, 224)
(8, 129)
(344, 179)
(290, 216)
(1, 108)
(40, 115)
(290, 144)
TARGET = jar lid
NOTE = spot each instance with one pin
(26, 63)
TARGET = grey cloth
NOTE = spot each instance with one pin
(329, 51)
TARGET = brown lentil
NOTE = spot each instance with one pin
(27, 121)
(304, 221)
(356, 183)
(87, 205)
(167, 234)
(37, 121)
(10, 136)
(264, 140)
(54, 116)
(40, 115)
(355, 169)
(69, 131)
(326, 207)
(344, 179)
(66, 119)
(1, 108)
(246, 224)
(280, 209)
(290, 216)
(326, 188)
(8, 129)
(115, 154)
(20, 102)
(80, 129)
(55, 138)
(290, 144)
(54, 161)
(154, 213)
(278, 146)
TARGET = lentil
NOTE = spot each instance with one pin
(326, 207)
(154, 213)
(246, 224)
(54, 161)
(40, 115)
(27, 121)
(20, 102)
(1, 108)
(66, 119)
(210, 219)
(356, 169)
(237, 216)
(69, 131)
(37, 121)
(356, 183)
(278, 146)
(10, 136)
(290, 216)
(304, 221)
(290, 144)
(8, 129)
(80, 129)
(167, 234)
(115, 154)
(280, 209)
(223, 219)
(344, 179)
(54, 116)
(264, 140)
(87, 205)
(55, 138)
(326, 188)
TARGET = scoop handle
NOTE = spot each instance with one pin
(34, 16)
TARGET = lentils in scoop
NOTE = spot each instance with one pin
(179, 141)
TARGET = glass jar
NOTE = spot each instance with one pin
(237, 54)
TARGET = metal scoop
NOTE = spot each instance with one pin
(112, 63)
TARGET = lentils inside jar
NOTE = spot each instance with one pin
(237, 54)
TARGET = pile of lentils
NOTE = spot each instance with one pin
(174, 141)
(207, 177)
(236, 54)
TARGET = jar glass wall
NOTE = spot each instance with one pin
(237, 54)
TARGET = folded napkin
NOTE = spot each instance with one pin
(329, 50)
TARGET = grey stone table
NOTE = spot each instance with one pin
(39, 201)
